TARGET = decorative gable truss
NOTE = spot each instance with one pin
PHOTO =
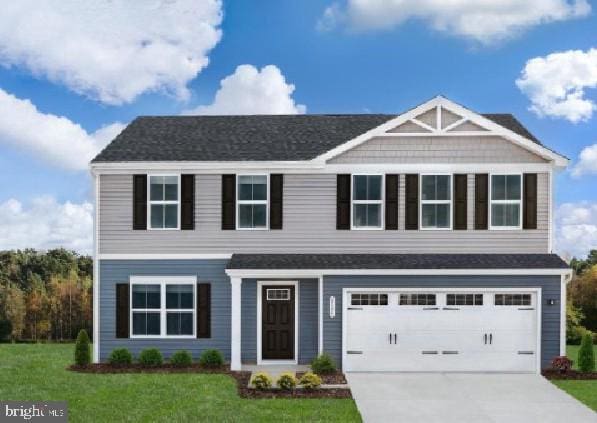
(441, 117)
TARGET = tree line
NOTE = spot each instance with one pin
(45, 295)
(581, 311)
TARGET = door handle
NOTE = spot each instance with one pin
(430, 308)
(450, 308)
(490, 338)
(390, 335)
(395, 339)
(485, 338)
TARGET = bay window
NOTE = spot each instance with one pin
(436, 201)
(367, 201)
(506, 201)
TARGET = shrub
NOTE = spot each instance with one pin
(82, 349)
(575, 334)
(120, 357)
(261, 381)
(323, 364)
(211, 358)
(586, 356)
(5, 329)
(181, 359)
(563, 364)
(151, 357)
(310, 381)
(286, 381)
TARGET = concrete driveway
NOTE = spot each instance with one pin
(461, 398)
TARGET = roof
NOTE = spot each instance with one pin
(248, 138)
(395, 261)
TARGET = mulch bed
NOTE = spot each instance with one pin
(138, 368)
(329, 379)
(570, 374)
(242, 381)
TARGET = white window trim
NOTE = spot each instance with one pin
(240, 202)
(156, 202)
(286, 290)
(379, 294)
(450, 202)
(519, 202)
(418, 292)
(380, 202)
(163, 281)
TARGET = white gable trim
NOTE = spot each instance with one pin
(468, 115)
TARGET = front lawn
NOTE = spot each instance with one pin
(583, 390)
(37, 372)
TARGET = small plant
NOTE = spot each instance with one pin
(211, 358)
(586, 356)
(261, 381)
(286, 381)
(181, 358)
(323, 364)
(151, 357)
(310, 381)
(562, 364)
(82, 349)
(120, 357)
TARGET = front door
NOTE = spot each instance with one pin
(277, 322)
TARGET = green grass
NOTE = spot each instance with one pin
(37, 372)
(583, 390)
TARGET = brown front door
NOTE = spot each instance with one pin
(277, 322)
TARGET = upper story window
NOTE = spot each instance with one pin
(436, 201)
(164, 195)
(367, 201)
(252, 201)
(506, 199)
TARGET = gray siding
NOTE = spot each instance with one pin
(248, 322)
(550, 319)
(212, 271)
(309, 225)
(434, 149)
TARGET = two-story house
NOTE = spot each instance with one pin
(413, 242)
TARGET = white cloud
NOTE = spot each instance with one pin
(486, 21)
(556, 84)
(111, 50)
(576, 225)
(252, 91)
(46, 224)
(54, 139)
(587, 162)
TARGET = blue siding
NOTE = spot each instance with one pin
(248, 331)
(119, 271)
(550, 319)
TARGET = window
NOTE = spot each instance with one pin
(436, 201)
(464, 299)
(506, 198)
(369, 299)
(512, 299)
(278, 294)
(367, 201)
(252, 202)
(163, 202)
(162, 308)
(417, 299)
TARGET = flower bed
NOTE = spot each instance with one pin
(329, 379)
(242, 381)
(569, 374)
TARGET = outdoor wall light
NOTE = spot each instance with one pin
(551, 302)
(332, 307)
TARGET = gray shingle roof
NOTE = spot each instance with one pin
(247, 138)
(396, 261)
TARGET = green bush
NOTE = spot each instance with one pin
(286, 381)
(151, 357)
(181, 358)
(261, 381)
(5, 329)
(211, 358)
(120, 357)
(586, 356)
(575, 334)
(323, 364)
(82, 349)
(310, 381)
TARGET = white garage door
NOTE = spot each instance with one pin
(472, 330)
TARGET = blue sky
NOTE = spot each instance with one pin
(350, 59)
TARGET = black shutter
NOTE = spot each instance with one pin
(203, 310)
(481, 200)
(391, 202)
(529, 207)
(343, 201)
(139, 202)
(187, 202)
(460, 193)
(228, 202)
(276, 182)
(411, 214)
(122, 310)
